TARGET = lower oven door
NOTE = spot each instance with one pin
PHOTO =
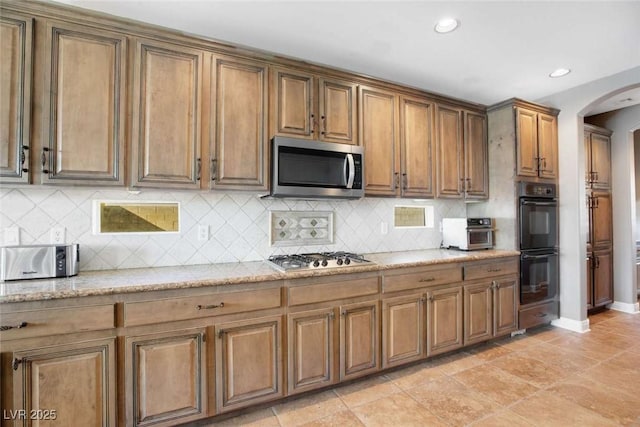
(538, 276)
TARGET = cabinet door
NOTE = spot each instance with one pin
(293, 103)
(444, 320)
(547, 146)
(602, 277)
(478, 312)
(338, 117)
(450, 153)
(590, 265)
(505, 306)
(403, 330)
(166, 378)
(241, 142)
(311, 350)
(601, 219)
(418, 148)
(84, 104)
(77, 382)
(379, 137)
(166, 115)
(527, 143)
(359, 344)
(248, 363)
(16, 50)
(476, 156)
(601, 161)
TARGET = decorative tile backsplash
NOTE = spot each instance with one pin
(296, 228)
(238, 225)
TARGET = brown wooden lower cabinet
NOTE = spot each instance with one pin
(248, 362)
(166, 377)
(444, 325)
(311, 349)
(359, 344)
(602, 263)
(403, 329)
(65, 385)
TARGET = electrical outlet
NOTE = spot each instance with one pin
(12, 236)
(384, 228)
(57, 235)
(203, 233)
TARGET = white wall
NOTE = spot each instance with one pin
(574, 103)
(239, 225)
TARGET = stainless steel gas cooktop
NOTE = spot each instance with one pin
(316, 260)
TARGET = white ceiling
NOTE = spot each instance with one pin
(502, 49)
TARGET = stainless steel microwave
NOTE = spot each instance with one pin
(313, 169)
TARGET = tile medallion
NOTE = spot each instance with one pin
(299, 228)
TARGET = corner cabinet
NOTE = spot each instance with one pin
(463, 169)
(84, 105)
(167, 94)
(16, 51)
(239, 122)
(308, 106)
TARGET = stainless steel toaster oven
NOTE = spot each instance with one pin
(39, 261)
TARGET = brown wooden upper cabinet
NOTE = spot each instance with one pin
(312, 107)
(462, 154)
(597, 151)
(83, 101)
(537, 143)
(239, 120)
(167, 98)
(16, 50)
(417, 148)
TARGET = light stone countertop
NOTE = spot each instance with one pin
(109, 282)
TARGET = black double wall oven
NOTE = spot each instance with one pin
(538, 236)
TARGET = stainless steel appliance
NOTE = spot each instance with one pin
(538, 235)
(313, 169)
(467, 234)
(316, 260)
(39, 261)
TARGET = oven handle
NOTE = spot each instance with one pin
(530, 203)
(351, 167)
(539, 256)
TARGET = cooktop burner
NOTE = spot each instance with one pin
(316, 260)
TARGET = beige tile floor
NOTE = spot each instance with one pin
(547, 377)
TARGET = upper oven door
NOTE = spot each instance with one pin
(538, 223)
(302, 168)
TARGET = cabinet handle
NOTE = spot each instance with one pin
(405, 181)
(597, 261)
(23, 158)
(18, 326)
(331, 315)
(541, 314)
(497, 285)
(221, 332)
(15, 363)
(423, 298)
(493, 284)
(312, 123)
(597, 200)
(209, 307)
(343, 312)
(493, 270)
(461, 186)
(430, 298)
(45, 150)
(543, 160)
(467, 184)
(214, 169)
(595, 175)
(198, 168)
(397, 180)
(427, 279)
(323, 127)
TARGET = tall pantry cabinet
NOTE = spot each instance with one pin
(597, 147)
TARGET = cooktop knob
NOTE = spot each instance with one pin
(339, 261)
(324, 263)
(347, 261)
(316, 263)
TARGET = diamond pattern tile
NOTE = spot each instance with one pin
(238, 225)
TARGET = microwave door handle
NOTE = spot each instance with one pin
(351, 167)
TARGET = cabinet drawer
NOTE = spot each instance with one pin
(421, 278)
(148, 312)
(482, 270)
(320, 292)
(538, 315)
(56, 321)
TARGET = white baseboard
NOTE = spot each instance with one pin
(580, 326)
(625, 307)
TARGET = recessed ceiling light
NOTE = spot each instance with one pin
(560, 72)
(446, 25)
